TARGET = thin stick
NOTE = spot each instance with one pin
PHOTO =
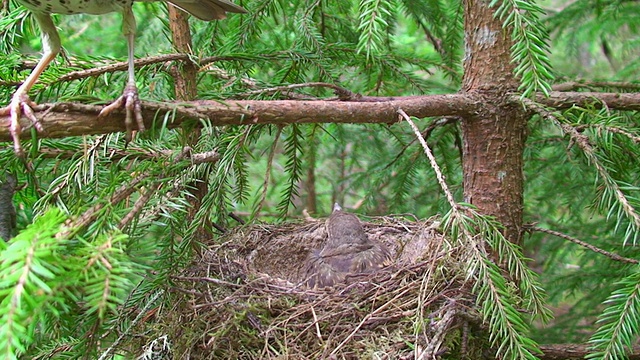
(315, 321)
(432, 159)
(143, 312)
(608, 254)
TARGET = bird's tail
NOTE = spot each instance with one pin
(208, 10)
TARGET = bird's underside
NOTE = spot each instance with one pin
(22, 106)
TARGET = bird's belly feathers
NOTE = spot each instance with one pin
(66, 7)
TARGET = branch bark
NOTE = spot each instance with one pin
(576, 351)
(73, 119)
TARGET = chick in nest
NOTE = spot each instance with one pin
(348, 251)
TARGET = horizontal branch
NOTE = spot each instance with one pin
(576, 351)
(587, 84)
(614, 101)
(72, 119)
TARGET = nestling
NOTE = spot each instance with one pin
(348, 250)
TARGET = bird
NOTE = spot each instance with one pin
(21, 104)
(7, 210)
(347, 251)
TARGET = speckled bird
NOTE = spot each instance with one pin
(348, 251)
(20, 105)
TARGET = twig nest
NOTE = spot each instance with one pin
(281, 251)
(247, 297)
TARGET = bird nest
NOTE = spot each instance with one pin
(246, 298)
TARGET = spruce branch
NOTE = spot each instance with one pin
(584, 244)
(530, 44)
(614, 195)
(374, 19)
(441, 23)
(125, 191)
(229, 180)
(311, 38)
(507, 326)
(620, 324)
(293, 150)
(127, 332)
(472, 230)
(31, 269)
(72, 119)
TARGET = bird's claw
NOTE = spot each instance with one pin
(20, 105)
(130, 101)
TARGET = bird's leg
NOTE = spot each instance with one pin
(129, 99)
(20, 103)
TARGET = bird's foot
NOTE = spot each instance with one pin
(20, 105)
(131, 103)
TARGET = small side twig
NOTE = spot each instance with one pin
(138, 205)
(107, 353)
(315, 322)
(582, 84)
(343, 94)
(142, 200)
(596, 249)
(441, 326)
(122, 66)
(207, 279)
(237, 218)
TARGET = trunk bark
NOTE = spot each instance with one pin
(186, 89)
(494, 137)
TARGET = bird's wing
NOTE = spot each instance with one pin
(320, 273)
(371, 259)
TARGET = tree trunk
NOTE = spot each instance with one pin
(185, 88)
(185, 76)
(494, 137)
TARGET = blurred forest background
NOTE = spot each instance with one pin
(270, 173)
